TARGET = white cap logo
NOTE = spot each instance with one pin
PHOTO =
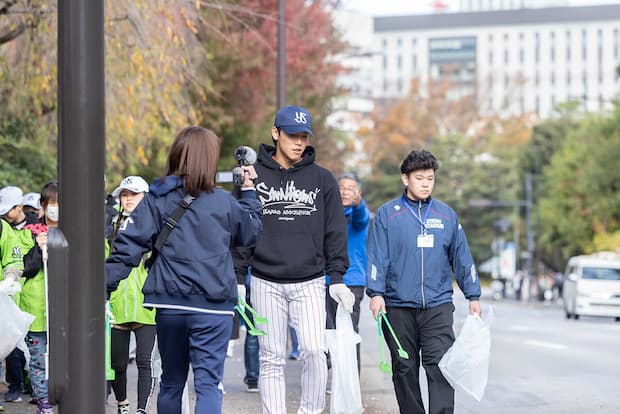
(300, 118)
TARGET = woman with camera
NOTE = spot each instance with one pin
(191, 281)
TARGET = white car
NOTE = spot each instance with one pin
(592, 286)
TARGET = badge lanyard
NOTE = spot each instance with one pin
(421, 221)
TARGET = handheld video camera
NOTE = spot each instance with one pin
(244, 156)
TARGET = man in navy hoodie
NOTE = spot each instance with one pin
(416, 244)
(304, 237)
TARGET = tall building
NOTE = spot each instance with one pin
(352, 110)
(515, 59)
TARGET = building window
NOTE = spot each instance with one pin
(568, 77)
(537, 105)
(385, 86)
(385, 62)
(568, 46)
(399, 42)
(615, 43)
(600, 56)
(537, 79)
(584, 81)
(552, 79)
(414, 59)
(490, 49)
(385, 43)
(506, 49)
(399, 62)
(584, 47)
(537, 47)
(552, 47)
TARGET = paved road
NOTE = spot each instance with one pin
(540, 363)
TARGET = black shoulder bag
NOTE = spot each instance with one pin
(169, 225)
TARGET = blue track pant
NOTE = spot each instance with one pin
(197, 338)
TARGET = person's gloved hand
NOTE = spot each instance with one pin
(342, 294)
(10, 286)
(11, 273)
(241, 291)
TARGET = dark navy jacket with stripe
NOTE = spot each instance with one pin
(418, 277)
(194, 269)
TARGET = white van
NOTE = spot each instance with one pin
(592, 285)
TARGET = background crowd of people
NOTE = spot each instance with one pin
(291, 241)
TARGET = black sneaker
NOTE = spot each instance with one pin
(253, 387)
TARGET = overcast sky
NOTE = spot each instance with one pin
(394, 7)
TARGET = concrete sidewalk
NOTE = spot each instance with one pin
(376, 387)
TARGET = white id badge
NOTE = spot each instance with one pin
(426, 240)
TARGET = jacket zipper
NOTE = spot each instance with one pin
(422, 256)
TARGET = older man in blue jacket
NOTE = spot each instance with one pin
(416, 244)
(358, 219)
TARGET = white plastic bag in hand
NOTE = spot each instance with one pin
(466, 364)
(14, 325)
(346, 397)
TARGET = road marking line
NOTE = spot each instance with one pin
(546, 344)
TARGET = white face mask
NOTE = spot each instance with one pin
(51, 212)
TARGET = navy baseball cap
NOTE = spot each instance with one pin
(293, 120)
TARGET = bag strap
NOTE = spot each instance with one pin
(169, 225)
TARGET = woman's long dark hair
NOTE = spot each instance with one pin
(193, 156)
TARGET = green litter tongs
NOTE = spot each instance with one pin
(252, 330)
(383, 365)
(257, 317)
(401, 352)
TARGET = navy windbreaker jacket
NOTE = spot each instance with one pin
(194, 269)
(419, 277)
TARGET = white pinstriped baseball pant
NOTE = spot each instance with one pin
(304, 304)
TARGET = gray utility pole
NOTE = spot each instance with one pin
(530, 235)
(77, 341)
(281, 54)
(527, 203)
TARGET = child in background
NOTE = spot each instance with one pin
(127, 310)
(31, 205)
(33, 297)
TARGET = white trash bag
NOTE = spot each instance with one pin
(346, 397)
(14, 325)
(466, 364)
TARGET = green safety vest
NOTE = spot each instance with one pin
(11, 252)
(126, 301)
(32, 296)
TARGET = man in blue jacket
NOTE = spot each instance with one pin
(358, 219)
(416, 244)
